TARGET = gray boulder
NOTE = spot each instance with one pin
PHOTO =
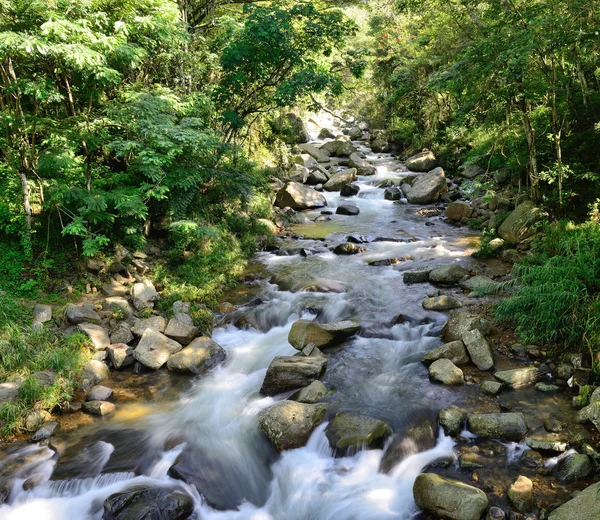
(148, 503)
(590, 413)
(449, 274)
(96, 371)
(289, 424)
(77, 314)
(198, 357)
(346, 149)
(347, 209)
(120, 355)
(476, 282)
(462, 322)
(447, 498)
(380, 146)
(98, 407)
(520, 224)
(421, 162)
(454, 351)
(122, 333)
(304, 332)
(574, 467)
(479, 349)
(144, 295)
(348, 430)
(317, 176)
(393, 193)
(299, 173)
(9, 392)
(428, 187)
(340, 178)
(445, 372)
(452, 418)
(421, 276)
(441, 303)
(157, 323)
(502, 426)
(350, 190)
(585, 506)
(287, 373)
(180, 331)
(299, 197)
(356, 161)
(45, 432)
(319, 154)
(313, 393)
(99, 393)
(518, 377)
(155, 349)
(42, 313)
(491, 387)
(98, 335)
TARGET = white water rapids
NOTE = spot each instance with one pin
(215, 424)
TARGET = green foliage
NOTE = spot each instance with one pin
(557, 291)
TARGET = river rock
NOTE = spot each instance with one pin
(143, 295)
(198, 357)
(574, 467)
(547, 442)
(590, 413)
(157, 323)
(288, 424)
(367, 170)
(293, 129)
(585, 506)
(98, 335)
(441, 303)
(454, 351)
(445, 372)
(502, 426)
(304, 332)
(155, 349)
(421, 276)
(462, 322)
(332, 147)
(452, 418)
(520, 224)
(311, 394)
(476, 282)
(338, 180)
(325, 133)
(346, 149)
(148, 503)
(458, 210)
(348, 430)
(77, 314)
(98, 407)
(449, 274)
(491, 387)
(479, 349)
(472, 460)
(120, 355)
(299, 197)
(319, 154)
(299, 173)
(9, 392)
(348, 249)
(532, 459)
(96, 371)
(520, 494)
(347, 209)
(317, 176)
(45, 432)
(447, 498)
(287, 373)
(356, 161)
(99, 393)
(380, 146)
(428, 187)
(121, 334)
(392, 193)
(355, 133)
(349, 190)
(518, 377)
(181, 331)
(421, 162)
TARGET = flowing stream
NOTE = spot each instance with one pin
(212, 428)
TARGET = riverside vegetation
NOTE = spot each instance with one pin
(149, 149)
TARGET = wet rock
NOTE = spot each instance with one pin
(458, 210)
(392, 194)
(452, 418)
(421, 276)
(120, 355)
(98, 335)
(454, 351)
(428, 187)
(198, 357)
(553, 425)
(447, 498)
(155, 349)
(367, 170)
(144, 295)
(325, 133)
(348, 430)
(148, 503)
(547, 442)
(311, 394)
(298, 197)
(502, 426)
(546, 388)
(380, 146)
(495, 513)
(349, 190)
(574, 467)
(96, 371)
(325, 286)
(421, 162)
(304, 332)
(180, 331)
(479, 349)
(287, 373)
(339, 179)
(42, 313)
(445, 372)
(449, 274)
(471, 460)
(564, 371)
(518, 377)
(348, 249)
(441, 303)
(585, 506)
(121, 334)
(347, 209)
(462, 322)
(532, 459)
(333, 146)
(356, 161)
(386, 262)
(346, 149)
(358, 239)
(100, 408)
(591, 413)
(77, 314)
(491, 387)
(288, 424)
(520, 494)
(520, 224)
(45, 432)
(157, 323)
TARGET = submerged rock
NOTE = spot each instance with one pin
(502, 426)
(450, 499)
(288, 424)
(287, 373)
(547, 442)
(520, 494)
(304, 332)
(148, 503)
(348, 430)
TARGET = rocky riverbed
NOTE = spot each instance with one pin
(355, 374)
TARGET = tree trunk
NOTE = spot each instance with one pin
(26, 201)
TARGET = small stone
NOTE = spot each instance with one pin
(97, 335)
(42, 313)
(546, 388)
(520, 494)
(99, 393)
(491, 387)
(452, 418)
(446, 372)
(552, 425)
(96, 371)
(45, 432)
(532, 459)
(441, 303)
(98, 407)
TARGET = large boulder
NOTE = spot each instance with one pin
(447, 498)
(520, 224)
(479, 349)
(148, 503)
(356, 161)
(502, 426)
(299, 197)
(319, 154)
(155, 349)
(458, 210)
(332, 147)
(574, 467)
(454, 351)
(181, 331)
(304, 332)
(287, 373)
(157, 323)
(346, 149)
(198, 357)
(294, 129)
(317, 175)
(591, 413)
(461, 323)
(338, 179)
(144, 295)
(518, 377)
(445, 372)
(452, 418)
(380, 146)
(298, 173)
(585, 506)
(449, 274)
(348, 430)
(421, 162)
(428, 187)
(288, 424)
(306, 161)
(77, 314)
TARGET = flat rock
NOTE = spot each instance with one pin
(114, 288)
(479, 349)
(449, 274)
(97, 335)
(198, 357)
(445, 372)
(348, 430)
(155, 349)
(441, 303)
(157, 323)
(548, 442)
(340, 178)
(45, 432)
(304, 332)
(421, 276)
(454, 351)
(287, 373)
(518, 377)
(476, 282)
(99, 407)
(501, 426)
(99, 393)
(77, 314)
